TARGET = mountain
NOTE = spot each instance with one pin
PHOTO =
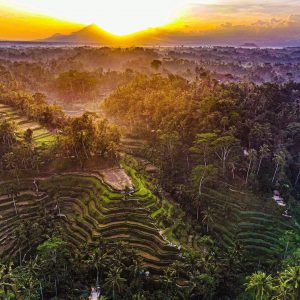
(91, 34)
(250, 45)
(163, 36)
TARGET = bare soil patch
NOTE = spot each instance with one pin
(117, 178)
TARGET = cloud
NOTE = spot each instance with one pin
(242, 8)
(294, 19)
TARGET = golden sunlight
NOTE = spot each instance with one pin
(119, 17)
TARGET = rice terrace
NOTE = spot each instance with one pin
(149, 150)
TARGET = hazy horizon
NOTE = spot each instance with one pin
(188, 22)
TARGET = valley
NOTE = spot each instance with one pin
(150, 173)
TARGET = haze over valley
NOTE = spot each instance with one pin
(149, 150)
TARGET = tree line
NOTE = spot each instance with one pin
(203, 131)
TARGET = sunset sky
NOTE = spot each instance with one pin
(35, 19)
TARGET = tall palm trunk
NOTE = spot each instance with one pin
(248, 171)
(97, 278)
(277, 166)
(200, 189)
(56, 292)
(20, 256)
(41, 291)
(297, 178)
(259, 165)
(15, 205)
(198, 209)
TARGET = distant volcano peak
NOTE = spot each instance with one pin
(88, 34)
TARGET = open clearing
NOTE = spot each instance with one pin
(117, 178)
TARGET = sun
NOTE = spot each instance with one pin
(119, 17)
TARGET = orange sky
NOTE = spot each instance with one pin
(43, 18)
(19, 25)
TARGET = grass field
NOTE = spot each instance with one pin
(41, 135)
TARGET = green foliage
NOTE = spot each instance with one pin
(76, 85)
(86, 136)
(260, 284)
(155, 64)
(285, 285)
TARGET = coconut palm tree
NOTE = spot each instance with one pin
(7, 281)
(99, 259)
(21, 237)
(114, 281)
(260, 284)
(169, 280)
(12, 193)
(263, 153)
(10, 161)
(135, 268)
(200, 175)
(139, 296)
(252, 157)
(201, 285)
(227, 210)
(34, 268)
(279, 159)
(27, 282)
(208, 217)
(7, 133)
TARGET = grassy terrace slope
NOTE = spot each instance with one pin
(40, 134)
(91, 209)
(256, 224)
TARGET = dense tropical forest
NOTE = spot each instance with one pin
(149, 173)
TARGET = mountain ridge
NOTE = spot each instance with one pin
(159, 36)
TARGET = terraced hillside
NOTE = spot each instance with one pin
(88, 209)
(256, 224)
(40, 134)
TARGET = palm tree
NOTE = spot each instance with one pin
(177, 268)
(197, 203)
(252, 157)
(290, 278)
(33, 267)
(169, 279)
(279, 159)
(99, 260)
(114, 281)
(297, 179)
(282, 291)
(7, 133)
(11, 163)
(263, 153)
(7, 280)
(139, 296)
(199, 175)
(27, 283)
(227, 210)
(12, 193)
(261, 284)
(21, 237)
(135, 268)
(208, 217)
(201, 285)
